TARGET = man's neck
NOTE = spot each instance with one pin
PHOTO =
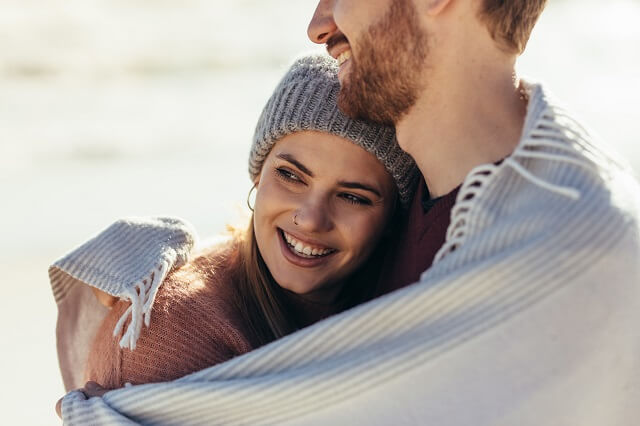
(460, 123)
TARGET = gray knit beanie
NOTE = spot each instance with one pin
(306, 99)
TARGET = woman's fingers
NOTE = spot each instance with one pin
(59, 408)
(92, 389)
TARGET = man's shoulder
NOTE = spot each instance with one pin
(607, 184)
(583, 189)
(561, 190)
(563, 165)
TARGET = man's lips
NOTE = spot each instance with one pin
(338, 50)
(344, 57)
(337, 45)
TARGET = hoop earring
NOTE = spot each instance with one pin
(249, 198)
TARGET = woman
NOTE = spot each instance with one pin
(327, 191)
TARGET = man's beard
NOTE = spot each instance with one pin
(383, 82)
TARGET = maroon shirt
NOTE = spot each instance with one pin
(418, 241)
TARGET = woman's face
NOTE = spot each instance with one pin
(321, 206)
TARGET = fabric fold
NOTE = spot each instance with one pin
(529, 315)
(129, 260)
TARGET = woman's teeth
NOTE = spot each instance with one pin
(342, 58)
(304, 249)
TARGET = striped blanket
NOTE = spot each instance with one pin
(528, 316)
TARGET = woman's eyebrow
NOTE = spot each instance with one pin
(290, 158)
(358, 185)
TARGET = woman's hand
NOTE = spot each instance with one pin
(90, 390)
(104, 298)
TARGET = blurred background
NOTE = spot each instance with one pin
(113, 108)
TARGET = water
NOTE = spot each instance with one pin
(113, 108)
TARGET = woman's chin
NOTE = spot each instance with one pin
(296, 284)
(323, 291)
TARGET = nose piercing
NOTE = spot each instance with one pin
(294, 219)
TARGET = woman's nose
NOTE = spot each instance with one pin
(322, 25)
(313, 218)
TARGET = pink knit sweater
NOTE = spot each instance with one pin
(194, 325)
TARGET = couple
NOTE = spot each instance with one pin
(526, 311)
(329, 190)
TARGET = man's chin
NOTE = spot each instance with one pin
(349, 98)
(379, 89)
(361, 99)
(347, 104)
(357, 105)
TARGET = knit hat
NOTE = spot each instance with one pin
(306, 99)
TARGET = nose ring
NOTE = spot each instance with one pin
(295, 216)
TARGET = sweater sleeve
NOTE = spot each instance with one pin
(193, 326)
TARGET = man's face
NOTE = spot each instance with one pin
(381, 50)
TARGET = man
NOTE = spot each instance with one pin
(443, 73)
(528, 308)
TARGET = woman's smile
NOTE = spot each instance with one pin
(304, 247)
(303, 254)
(318, 215)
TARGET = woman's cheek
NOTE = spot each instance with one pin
(366, 232)
(270, 193)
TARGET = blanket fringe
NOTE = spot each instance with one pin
(546, 134)
(142, 295)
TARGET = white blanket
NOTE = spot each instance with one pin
(530, 315)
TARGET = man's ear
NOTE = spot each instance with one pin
(435, 7)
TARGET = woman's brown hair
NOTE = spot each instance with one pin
(258, 296)
(261, 301)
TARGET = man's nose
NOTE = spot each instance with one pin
(322, 25)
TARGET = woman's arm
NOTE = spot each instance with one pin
(194, 325)
(87, 279)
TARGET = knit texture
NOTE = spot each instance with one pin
(195, 325)
(129, 260)
(529, 315)
(306, 99)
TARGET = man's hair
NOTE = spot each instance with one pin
(510, 21)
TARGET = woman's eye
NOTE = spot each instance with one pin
(354, 199)
(288, 175)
